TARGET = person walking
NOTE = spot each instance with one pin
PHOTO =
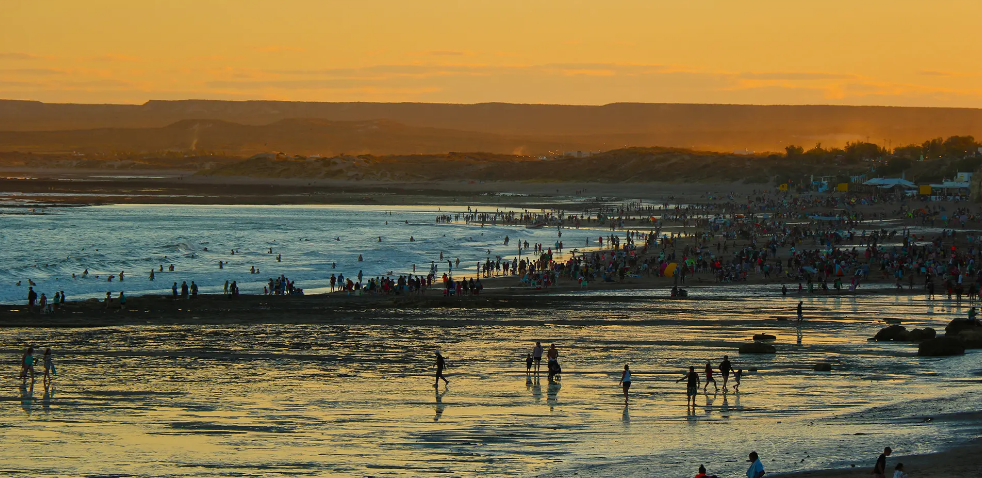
(801, 314)
(692, 387)
(709, 377)
(725, 367)
(880, 468)
(49, 366)
(27, 364)
(441, 364)
(756, 469)
(626, 380)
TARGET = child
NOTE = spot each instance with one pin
(899, 471)
(736, 377)
(528, 364)
(49, 366)
(27, 364)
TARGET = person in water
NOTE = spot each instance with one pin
(626, 380)
(725, 368)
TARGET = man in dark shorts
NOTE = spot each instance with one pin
(724, 368)
(880, 469)
(537, 355)
(440, 365)
(692, 387)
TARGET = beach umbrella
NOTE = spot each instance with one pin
(670, 270)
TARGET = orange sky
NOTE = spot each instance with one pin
(863, 52)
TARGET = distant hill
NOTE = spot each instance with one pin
(292, 136)
(708, 127)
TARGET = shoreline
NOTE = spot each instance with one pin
(962, 460)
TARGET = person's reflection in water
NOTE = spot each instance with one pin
(536, 389)
(439, 406)
(709, 402)
(27, 397)
(626, 415)
(724, 408)
(800, 335)
(552, 394)
(49, 393)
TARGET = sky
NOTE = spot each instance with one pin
(856, 52)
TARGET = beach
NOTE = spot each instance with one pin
(349, 370)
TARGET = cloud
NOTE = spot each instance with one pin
(278, 49)
(113, 57)
(34, 71)
(13, 55)
(797, 76)
(948, 74)
(447, 53)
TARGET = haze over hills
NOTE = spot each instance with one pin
(493, 127)
(293, 136)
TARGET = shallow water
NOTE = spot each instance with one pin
(49, 248)
(359, 400)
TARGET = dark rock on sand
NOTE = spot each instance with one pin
(940, 347)
(958, 325)
(759, 337)
(896, 333)
(918, 335)
(758, 348)
(971, 339)
(823, 367)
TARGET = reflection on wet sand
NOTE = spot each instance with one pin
(358, 400)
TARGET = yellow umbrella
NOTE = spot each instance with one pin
(670, 270)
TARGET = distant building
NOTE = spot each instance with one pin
(744, 152)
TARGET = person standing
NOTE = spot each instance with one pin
(528, 364)
(756, 469)
(626, 380)
(880, 468)
(32, 297)
(49, 366)
(724, 368)
(537, 356)
(801, 314)
(441, 364)
(692, 387)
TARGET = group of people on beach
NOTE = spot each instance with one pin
(28, 361)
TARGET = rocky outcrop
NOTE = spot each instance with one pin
(758, 348)
(761, 337)
(823, 367)
(941, 347)
(958, 325)
(896, 333)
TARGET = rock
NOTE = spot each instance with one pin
(919, 335)
(958, 325)
(758, 348)
(940, 347)
(971, 339)
(894, 332)
(823, 367)
(759, 337)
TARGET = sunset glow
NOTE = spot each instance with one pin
(899, 52)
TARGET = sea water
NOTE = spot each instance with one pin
(359, 400)
(312, 242)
